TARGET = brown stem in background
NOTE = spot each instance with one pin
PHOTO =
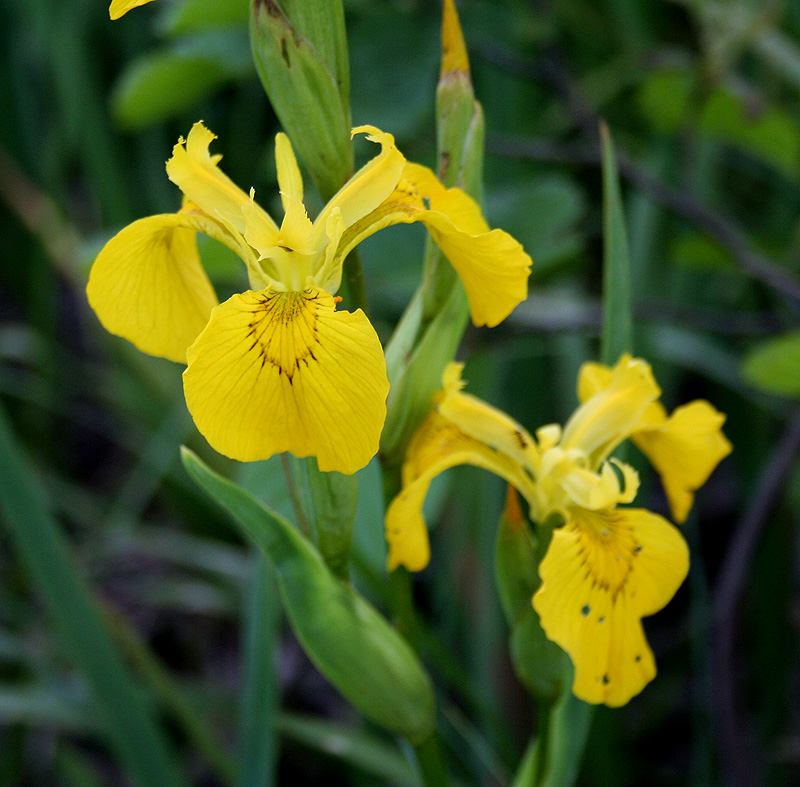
(738, 759)
(683, 204)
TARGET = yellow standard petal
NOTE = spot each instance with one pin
(148, 286)
(603, 572)
(684, 449)
(195, 172)
(611, 414)
(492, 266)
(438, 445)
(119, 8)
(284, 371)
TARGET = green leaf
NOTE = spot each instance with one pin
(543, 215)
(166, 83)
(767, 132)
(347, 639)
(308, 97)
(363, 751)
(127, 722)
(190, 16)
(617, 333)
(774, 365)
(664, 97)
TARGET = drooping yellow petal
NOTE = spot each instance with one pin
(438, 445)
(148, 286)
(119, 8)
(603, 572)
(195, 172)
(608, 417)
(492, 266)
(482, 422)
(284, 371)
(684, 449)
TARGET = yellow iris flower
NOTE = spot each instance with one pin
(606, 567)
(278, 368)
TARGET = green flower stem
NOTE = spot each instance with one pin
(354, 276)
(428, 753)
(431, 764)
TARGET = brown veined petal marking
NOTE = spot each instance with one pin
(284, 371)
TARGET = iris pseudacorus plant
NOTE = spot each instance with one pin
(607, 565)
(278, 368)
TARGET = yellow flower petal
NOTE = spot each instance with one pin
(599, 425)
(603, 572)
(684, 449)
(119, 8)
(492, 266)
(195, 172)
(454, 50)
(148, 286)
(290, 181)
(481, 421)
(371, 185)
(438, 445)
(284, 371)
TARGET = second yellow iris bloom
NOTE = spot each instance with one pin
(606, 566)
(278, 368)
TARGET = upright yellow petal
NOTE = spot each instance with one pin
(284, 371)
(603, 572)
(290, 181)
(603, 421)
(454, 50)
(684, 449)
(195, 172)
(119, 8)
(438, 445)
(492, 266)
(148, 286)
(371, 185)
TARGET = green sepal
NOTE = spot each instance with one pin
(334, 497)
(539, 664)
(348, 641)
(310, 95)
(420, 377)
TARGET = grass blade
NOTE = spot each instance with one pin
(617, 333)
(128, 723)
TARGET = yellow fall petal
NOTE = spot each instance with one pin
(492, 266)
(684, 449)
(283, 371)
(148, 286)
(437, 446)
(603, 572)
(119, 8)
(195, 172)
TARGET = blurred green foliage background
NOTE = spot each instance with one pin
(704, 101)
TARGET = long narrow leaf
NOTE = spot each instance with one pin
(127, 722)
(617, 333)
